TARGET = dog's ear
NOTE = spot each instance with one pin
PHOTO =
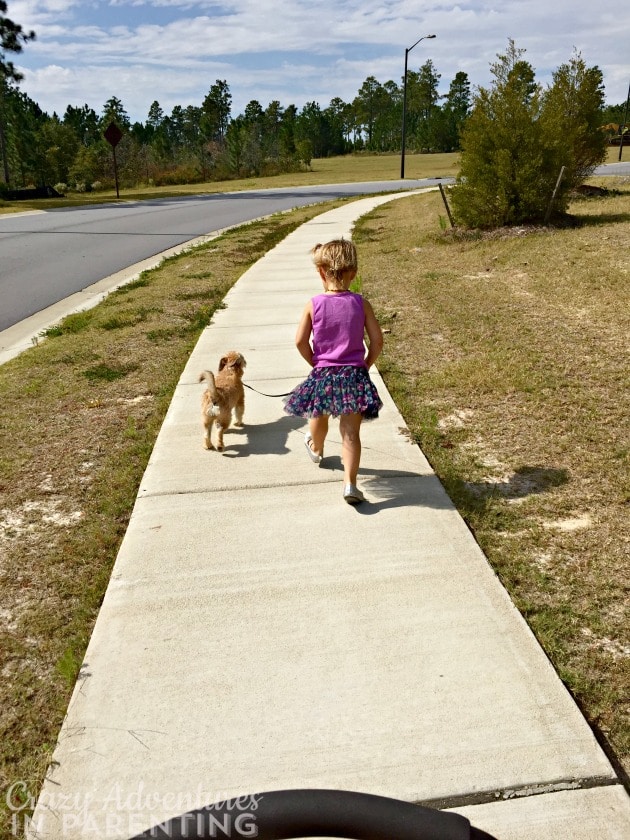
(223, 362)
(238, 362)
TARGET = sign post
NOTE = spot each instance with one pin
(113, 135)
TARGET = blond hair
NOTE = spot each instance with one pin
(336, 259)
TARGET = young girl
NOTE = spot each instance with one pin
(339, 384)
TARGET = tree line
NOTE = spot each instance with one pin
(205, 142)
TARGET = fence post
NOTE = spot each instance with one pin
(448, 209)
(555, 193)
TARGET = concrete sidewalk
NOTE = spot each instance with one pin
(259, 634)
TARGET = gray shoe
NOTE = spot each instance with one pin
(352, 494)
(315, 458)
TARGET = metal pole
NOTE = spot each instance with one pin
(402, 152)
(3, 141)
(115, 172)
(404, 114)
(625, 122)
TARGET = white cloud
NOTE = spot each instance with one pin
(293, 50)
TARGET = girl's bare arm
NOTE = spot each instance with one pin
(374, 333)
(303, 335)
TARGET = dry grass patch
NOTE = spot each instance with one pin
(78, 418)
(508, 356)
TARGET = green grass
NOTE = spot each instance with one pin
(108, 373)
(70, 325)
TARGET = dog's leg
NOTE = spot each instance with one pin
(239, 410)
(207, 422)
(222, 422)
(219, 437)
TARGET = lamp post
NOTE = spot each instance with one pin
(624, 124)
(404, 115)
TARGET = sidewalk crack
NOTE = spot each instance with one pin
(523, 791)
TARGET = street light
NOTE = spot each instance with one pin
(402, 154)
(624, 123)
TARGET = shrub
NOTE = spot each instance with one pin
(184, 174)
(518, 137)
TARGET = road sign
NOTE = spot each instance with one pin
(113, 134)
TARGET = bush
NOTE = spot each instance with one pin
(184, 174)
(518, 137)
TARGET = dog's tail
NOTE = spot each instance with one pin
(208, 377)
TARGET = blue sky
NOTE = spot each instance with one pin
(296, 51)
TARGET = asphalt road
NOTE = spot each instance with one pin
(46, 257)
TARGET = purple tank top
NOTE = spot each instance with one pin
(338, 327)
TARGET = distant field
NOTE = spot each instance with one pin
(336, 170)
(346, 169)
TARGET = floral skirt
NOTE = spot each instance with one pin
(335, 391)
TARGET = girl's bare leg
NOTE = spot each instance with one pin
(349, 428)
(318, 427)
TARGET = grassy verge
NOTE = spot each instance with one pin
(79, 415)
(508, 356)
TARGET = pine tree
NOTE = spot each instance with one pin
(571, 119)
(454, 112)
(215, 111)
(12, 39)
(502, 163)
(518, 137)
(114, 111)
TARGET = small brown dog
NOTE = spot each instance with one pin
(224, 394)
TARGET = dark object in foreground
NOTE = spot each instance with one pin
(281, 814)
(35, 192)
